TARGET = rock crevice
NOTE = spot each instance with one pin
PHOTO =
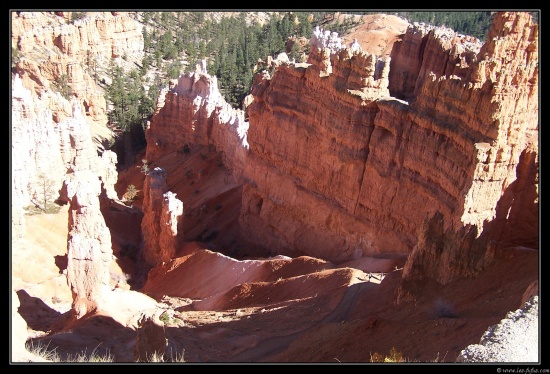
(337, 168)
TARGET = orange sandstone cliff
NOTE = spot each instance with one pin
(430, 152)
(351, 154)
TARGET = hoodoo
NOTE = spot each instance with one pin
(367, 195)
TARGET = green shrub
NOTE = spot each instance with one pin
(131, 193)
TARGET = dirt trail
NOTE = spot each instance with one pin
(269, 348)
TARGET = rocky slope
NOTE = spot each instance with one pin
(514, 339)
(331, 163)
(456, 138)
(57, 153)
(47, 48)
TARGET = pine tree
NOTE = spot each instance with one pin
(64, 86)
(44, 193)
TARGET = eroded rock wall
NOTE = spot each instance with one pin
(425, 49)
(49, 47)
(307, 155)
(89, 251)
(53, 148)
(350, 154)
(496, 130)
(43, 149)
(454, 149)
(193, 111)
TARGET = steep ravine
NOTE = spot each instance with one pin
(326, 221)
(360, 178)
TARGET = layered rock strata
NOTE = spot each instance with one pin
(425, 49)
(349, 153)
(361, 176)
(307, 155)
(48, 48)
(488, 127)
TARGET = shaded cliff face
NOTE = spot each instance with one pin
(360, 176)
(497, 126)
(307, 155)
(334, 166)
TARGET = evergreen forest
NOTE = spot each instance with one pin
(174, 42)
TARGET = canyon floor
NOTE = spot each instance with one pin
(313, 312)
(247, 308)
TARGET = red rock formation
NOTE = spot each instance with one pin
(52, 140)
(103, 33)
(159, 226)
(48, 47)
(194, 112)
(339, 169)
(89, 251)
(375, 33)
(46, 148)
(389, 190)
(89, 245)
(307, 157)
(532, 290)
(332, 166)
(499, 135)
(423, 50)
(41, 116)
(54, 151)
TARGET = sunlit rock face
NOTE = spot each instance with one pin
(350, 154)
(161, 211)
(51, 47)
(193, 111)
(340, 168)
(89, 251)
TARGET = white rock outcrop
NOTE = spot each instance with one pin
(514, 339)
